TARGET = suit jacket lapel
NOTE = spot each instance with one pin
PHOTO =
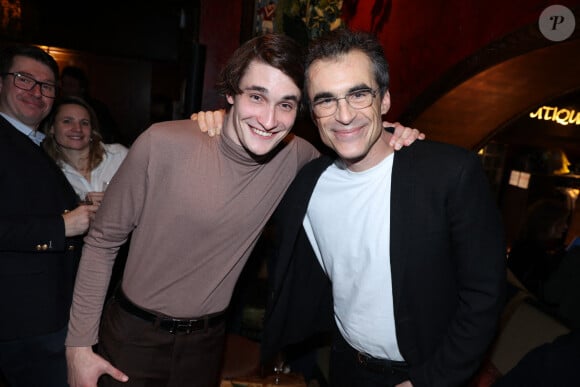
(293, 206)
(37, 156)
(402, 199)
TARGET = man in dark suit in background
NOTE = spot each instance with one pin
(401, 253)
(40, 227)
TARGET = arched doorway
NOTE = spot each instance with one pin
(485, 102)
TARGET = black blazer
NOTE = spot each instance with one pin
(447, 264)
(37, 262)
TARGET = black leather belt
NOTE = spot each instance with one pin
(175, 326)
(380, 365)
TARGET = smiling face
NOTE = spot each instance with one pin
(27, 106)
(356, 135)
(72, 127)
(264, 113)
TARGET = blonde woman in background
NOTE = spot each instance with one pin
(74, 142)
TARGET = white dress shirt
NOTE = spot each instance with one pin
(31, 133)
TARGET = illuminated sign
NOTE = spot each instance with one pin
(561, 116)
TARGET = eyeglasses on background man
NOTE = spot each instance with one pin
(24, 82)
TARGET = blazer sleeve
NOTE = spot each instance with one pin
(32, 233)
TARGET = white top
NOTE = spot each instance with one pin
(348, 225)
(101, 175)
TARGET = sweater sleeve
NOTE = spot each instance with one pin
(116, 218)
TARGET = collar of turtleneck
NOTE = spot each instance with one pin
(241, 155)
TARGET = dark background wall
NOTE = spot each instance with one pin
(423, 39)
(134, 29)
(134, 52)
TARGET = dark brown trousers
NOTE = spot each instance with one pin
(152, 357)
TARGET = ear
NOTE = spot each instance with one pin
(230, 99)
(386, 103)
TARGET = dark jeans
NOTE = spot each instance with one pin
(37, 361)
(347, 371)
(152, 357)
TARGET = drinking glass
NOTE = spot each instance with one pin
(84, 199)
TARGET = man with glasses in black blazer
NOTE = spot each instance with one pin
(41, 226)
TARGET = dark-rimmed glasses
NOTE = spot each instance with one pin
(358, 99)
(24, 82)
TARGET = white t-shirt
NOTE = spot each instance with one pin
(348, 225)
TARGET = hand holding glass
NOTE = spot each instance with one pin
(92, 197)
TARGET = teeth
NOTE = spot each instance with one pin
(262, 133)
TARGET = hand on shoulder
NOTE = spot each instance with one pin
(210, 122)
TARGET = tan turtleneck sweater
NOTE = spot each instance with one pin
(196, 205)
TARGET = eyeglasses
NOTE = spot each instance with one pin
(25, 82)
(358, 99)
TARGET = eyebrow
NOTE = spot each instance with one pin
(326, 94)
(74, 118)
(263, 90)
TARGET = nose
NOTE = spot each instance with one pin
(268, 119)
(76, 126)
(36, 90)
(344, 112)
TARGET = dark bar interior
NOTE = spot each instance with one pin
(484, 75)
